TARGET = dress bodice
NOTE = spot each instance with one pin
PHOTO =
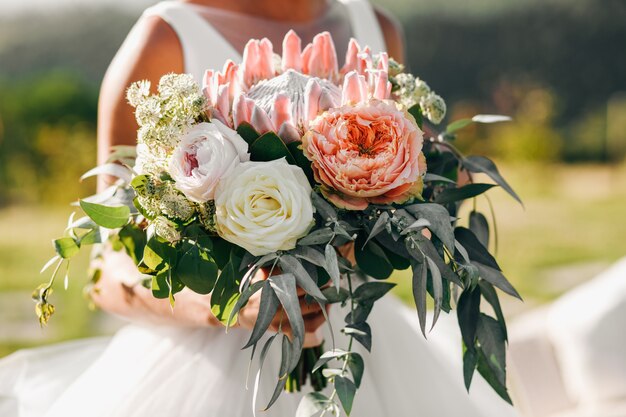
(209, 36)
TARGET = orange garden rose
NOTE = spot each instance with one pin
(366, 153)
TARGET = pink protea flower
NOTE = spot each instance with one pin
(285, 98)
(369, 152)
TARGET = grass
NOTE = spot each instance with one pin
(572, 216)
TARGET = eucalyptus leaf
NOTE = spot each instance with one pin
(311, 404)
(492, 344)
(317, 237)
(451, 195)
(458, 125)
(419, 293)
(496, 278)
(480, 227)
(243, 299)
(468, 311)
(371, 259)
(372, 291)
(437, 283)
(115, 170)
(481, 164)
(335, 296)
(226, 292)
(290, 264)
(345, 391)
(91, 237)
(430, 177)
(310, 255)
(489, 293)
(268, 307)
(470, 360)
(285, 289)
(257, 380)
(379, 226)
(106, 216)
(439, 219)
(66, 247)
(475, 249)
(357, 367)
(361, 332)
(490, 118)
(323, 207)
(332, 266)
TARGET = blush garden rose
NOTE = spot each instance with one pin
(264, 207)
(206, 154)
(366, 153)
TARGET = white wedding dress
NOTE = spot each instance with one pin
(154, 371)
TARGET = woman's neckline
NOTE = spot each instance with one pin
(214, 9)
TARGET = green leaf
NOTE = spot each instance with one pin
(317, 237)
(420, 276)
(416, 112)
(468, 311)
(159, 254)
(295, 148)
(430, 177)
(439, 219)
(164, 285)
(371, 258)
(398, 261)
(134, 241)
(357, 367)
(268, 307)
(492, 345)
(490, 118)
(311, 404)
(496, 278)
(327, 357)
(290, 264)
(489, 293)
(90, 238)
(437, 284)
(197, 270)
(361, 332)
(476, 251)
(66, 247)
(345, 391)
(489, 375)
(323, 207)
(140, 184)
(333, 296)
(332, 265)
(270, 147)
(470, 360)
(480, 227)
(451, 195)
(106, 216)
(226, 292)
(458, 125)
(379, 226)
(243, 299)
(248, 133)
(285, 288)
(114, 170)
(481, 164)
(372, 291)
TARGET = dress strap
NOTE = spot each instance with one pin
(203, 46)
(365, 26)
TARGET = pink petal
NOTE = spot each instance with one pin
(354, 88)
(288, 133)
(260, 120)
(242, 110)
(351, 57)
(281, 110)
(323, 59)
(292, 52)
(266, 62)
(382, 86)
(383, 62)
(306, 58)
(312, 94)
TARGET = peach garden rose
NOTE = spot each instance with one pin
(366, 153)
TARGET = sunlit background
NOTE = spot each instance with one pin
(557, 67)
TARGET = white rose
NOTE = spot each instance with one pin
(264, 206)
(206, 154)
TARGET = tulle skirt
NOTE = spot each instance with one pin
(152, 371)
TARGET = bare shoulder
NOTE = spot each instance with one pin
(151, 51)
(393, 33)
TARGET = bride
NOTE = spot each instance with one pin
(180, 362)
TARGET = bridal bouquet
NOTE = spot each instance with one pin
(329, 177)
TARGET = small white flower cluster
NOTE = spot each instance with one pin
(411, 91)
(166, 229)
(160, 199)
(163, 118)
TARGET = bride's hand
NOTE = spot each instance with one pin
(312, 313)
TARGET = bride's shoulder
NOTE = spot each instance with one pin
(151, 49)
(393, 33)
